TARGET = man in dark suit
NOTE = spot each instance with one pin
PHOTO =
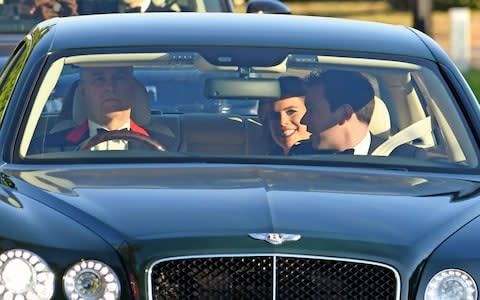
(103, 102)
(339, 109)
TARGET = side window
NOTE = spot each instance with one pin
(9, 76)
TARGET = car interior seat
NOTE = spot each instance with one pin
(380, 123)
(64, 119)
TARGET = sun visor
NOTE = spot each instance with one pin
(245, 88)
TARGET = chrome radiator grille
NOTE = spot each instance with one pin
(271, 277)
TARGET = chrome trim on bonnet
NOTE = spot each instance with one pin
(275, 238)
(274, 256)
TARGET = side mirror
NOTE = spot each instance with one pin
(267, 7)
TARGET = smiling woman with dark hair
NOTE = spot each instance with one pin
(281, 117)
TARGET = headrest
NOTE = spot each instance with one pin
(380, 122)
(140, 106)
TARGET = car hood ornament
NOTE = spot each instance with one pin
(275, 238)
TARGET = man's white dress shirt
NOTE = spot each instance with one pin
(108, 145)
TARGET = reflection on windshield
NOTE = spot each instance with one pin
(292, 105)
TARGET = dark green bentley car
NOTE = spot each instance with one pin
(236, 156)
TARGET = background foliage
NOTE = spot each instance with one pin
(473, 79)
(437, 4)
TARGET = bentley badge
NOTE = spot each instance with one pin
(275, 238)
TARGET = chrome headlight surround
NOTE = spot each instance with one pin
(91, 279)
(25, 275)
(451, 284)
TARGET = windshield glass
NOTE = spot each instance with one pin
(19, 16)
(250, 103)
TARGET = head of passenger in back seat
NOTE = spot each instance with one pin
(281, 117)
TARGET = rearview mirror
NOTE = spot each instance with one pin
(244, 88)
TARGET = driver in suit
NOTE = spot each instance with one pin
(107, 94)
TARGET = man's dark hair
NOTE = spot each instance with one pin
(345, 87)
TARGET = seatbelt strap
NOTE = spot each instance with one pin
(410, 133)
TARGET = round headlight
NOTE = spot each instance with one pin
(451, 284)
(24, 275)
(91, 279)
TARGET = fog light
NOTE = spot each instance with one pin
(451, 284)
(24, 275)
(91, 279)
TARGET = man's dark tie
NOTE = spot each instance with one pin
(333, 151)
(103, 130)
(347, 151)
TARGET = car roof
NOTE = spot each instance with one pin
(233, 29)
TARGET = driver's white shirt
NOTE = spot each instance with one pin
(108, 145)
(363, 146)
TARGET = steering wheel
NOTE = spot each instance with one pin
(121, 135)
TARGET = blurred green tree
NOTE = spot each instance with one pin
(437, 4)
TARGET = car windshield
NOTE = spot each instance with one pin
(19, 16)
(247, 104)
